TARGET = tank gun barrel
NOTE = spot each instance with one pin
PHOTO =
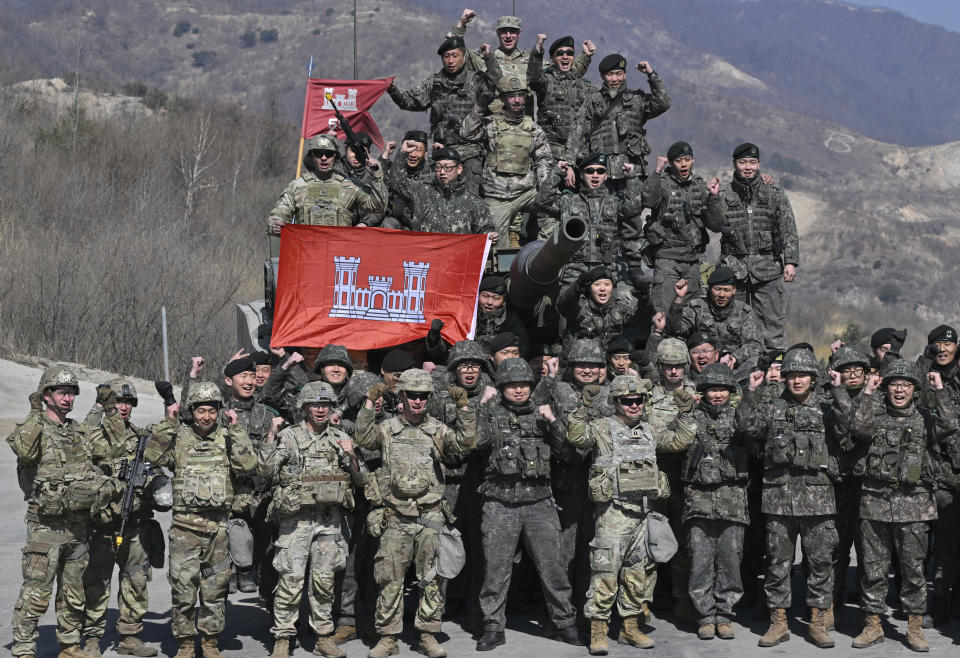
(537, 266)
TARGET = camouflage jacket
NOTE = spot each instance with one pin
(126, 450)
(513, 64)
(755, 220)
(451, 442)
(602, 211)
(838, 420)
(441, 407)
(735, 326)
(398, 173)
(902, 464)
(279, 392)
(336, 201)
(675, 227)
(660, 411)
(293, 441)
(559, 96)
(612, 121)
(588, 319)
(253, 417)
(443, 207)
(499, 321)
(800, 461)
(949, 375)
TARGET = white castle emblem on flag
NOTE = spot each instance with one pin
(378, 302)
(346, 103)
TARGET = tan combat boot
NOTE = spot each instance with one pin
(343, 634)
(281, 648)
(186, 647)
(208, 647)
(387, 646)
(91, 647)
(598, 637)
(429, 646)
(829, 622)
(72, 651)
(915, 639)
(131, 645)
(778, 631)
(514, 239)
(326, 646)
(645, 615)
(631, 634)
(872, 633)
(725, 631)
(707, 632)
(817, 632)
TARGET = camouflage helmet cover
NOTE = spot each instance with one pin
(716, 374)
(333, 354)
(586, 350)
(848, 356)
(124, 389)
(672, 351)
(416, 380)
(514, 371)
(511, 84)
(900, 369)
(315, 392)
(204, 393)
(357, 387)
(629, 385)
(467, 350)
(57, 377)
(800, 360)
(321, 142)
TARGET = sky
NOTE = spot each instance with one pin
(939, 12)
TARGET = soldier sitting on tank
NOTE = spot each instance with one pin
(411, 166)
(362, 175)
(594, 308)
(602, 211)
(620, 357)
(543, 362)
(494, 315)
(324, 197)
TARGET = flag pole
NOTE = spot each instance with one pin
(356, 76)
(306, 96)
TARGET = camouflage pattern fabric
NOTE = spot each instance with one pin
(716, 548)
(559, 95)
(133, 560)
(675, 228)
(818, 538)
(444, 207)
(619, 564)
(199, 564)
(588, 319)
(882, 543)
(735, 326)
(336, 201)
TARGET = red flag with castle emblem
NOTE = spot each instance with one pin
(352, 97)
(366, 288)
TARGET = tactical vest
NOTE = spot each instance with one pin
(563, 97)
(451, 102)
(411, 477)
(519, 451)
(599, 212)
(201, 476)
(511, 148)
(797, 439)
(66, 481)
(628, 473)
(711, 459)
(317, 480)
(751, 224)
(600, 324)
(322, 205)
(614, 130)
(897, 454)
(672, 217)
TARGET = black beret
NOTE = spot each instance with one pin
(768, 359)
(500, 341)
(447, 153)
(494, 284)
(560, 43)
(265, 358)
(801, 346)
(416, 136)
(721, 276)
(944, 333)
(746, 150)
(677, 149)
(540, 349)
(237, 366)
(591, 159)
(889, 335)
(619, 345)
(611, 62)
(450, 43)
(700, 338)
(397, 361)
(597, 273)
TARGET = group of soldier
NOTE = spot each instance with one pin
(629, 426)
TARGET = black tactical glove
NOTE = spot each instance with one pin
(590, 393)
(165, 389)
(486, 97)
(433, 336)
(36, 401)
(376, 391)
(459, 395)
(685, 400)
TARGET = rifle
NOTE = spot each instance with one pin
(353, 141)
(135, 475)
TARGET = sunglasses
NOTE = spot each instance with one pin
(563, 51)
(631, 401)
(595, 170)
(324, 154)
(416, 395)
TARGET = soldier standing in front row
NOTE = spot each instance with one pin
(61, 485)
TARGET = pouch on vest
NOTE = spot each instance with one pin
(376, 519)
(911, 467)
(50, 498)
(90, 494)
(286, 499)
(451, 555)
(638, 477)
(506, 460)
(708, 470)
(406, 484)
(536, 461)
(781, 451)
(661, 543)
(600, 486)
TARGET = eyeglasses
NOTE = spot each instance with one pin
(900, 386)
(595, 170)
(702, 350)
(469, 367)
(563, 51)
(416, 395)
(852, 372)
(446, 168)
(631, 401)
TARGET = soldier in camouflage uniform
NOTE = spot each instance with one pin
(520, 439)
(594, 308)
(321, 196)
(601, 210)
(132, 556)
(494, 315)
(620, 357)
(623, 481)
(799, 470)
(719, 314)
(715, 474)
(206, 458)
(759, 242)
(675, 228)
(900, 466)
(517, 158)
(62, 487)
(362, 176)
(315, 470)
(408, 510)
(450, 95)
(411, 166)
(334, 365)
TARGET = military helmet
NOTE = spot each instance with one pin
(672, 351)
(901, 369)
(315, 392)
(849, 356)
(333, 354)
(57, 377)
(416, 380)
(357, 387)
(800, 360)
(510, 84)
(467, 350)
(716, 374)
(321, 142)
(629, 385)
(586, 350)
(514, 371)
(204, 393)
(124, 389)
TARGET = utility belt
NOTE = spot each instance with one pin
(208, 521)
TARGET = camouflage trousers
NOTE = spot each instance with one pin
(620, 567)
(818, 537)
(716, 548)
(406, 541)
(575, 512)
(769, 302)
(848, 532)
(946, 547)
(199, 564)
(134, 562)
(309, 546)
(666, 272)
(880, 541)
(503, 526)
(506, 214)
(56, 550)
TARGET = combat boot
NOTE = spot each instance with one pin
(387, 646)
(281, 648)
(598, 637)
(91, 647)
(872, 633)
(208, 647)
(490, 640)
(245, 581)
(631, 634)
(514, 239)
(725, 631)
(829, 621)
(429, 646)
(817, 632)
(645, 615)
(343, 634)
(325, 646)
(915, 639)
(72, 651)
(778, 631)
(131, 645)
(707, 632)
